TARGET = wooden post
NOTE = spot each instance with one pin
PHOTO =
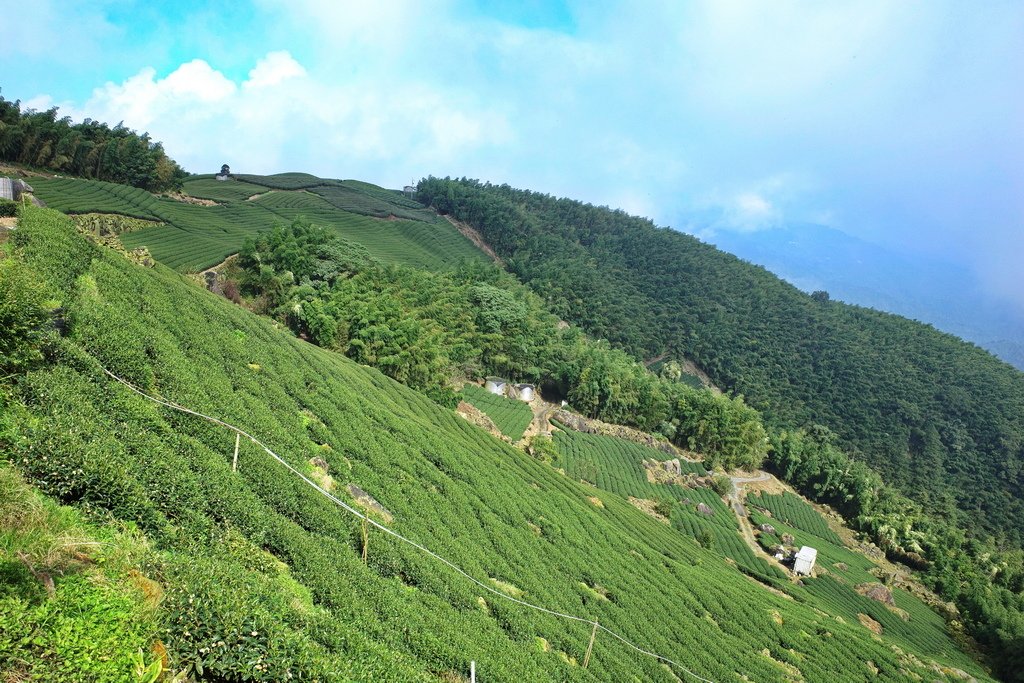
(366, 540)
(234, 461)
(472, 672)
(590, 647)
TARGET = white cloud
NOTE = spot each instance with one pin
(39, 103)
(760, 205)
(192, 92)
(281, 119)
(273, 69)
(753, 206)
(749, 211)
(195, 81)
(905, 116)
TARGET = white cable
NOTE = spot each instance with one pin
(395, 534)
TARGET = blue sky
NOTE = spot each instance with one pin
(899, 122)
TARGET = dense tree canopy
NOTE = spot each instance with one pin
(938, 417)
(425, 328)
(90, 149)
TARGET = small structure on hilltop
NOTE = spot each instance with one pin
(803, 563)
(410, 191)
(225, 173)
(524, 392)
(496, 385)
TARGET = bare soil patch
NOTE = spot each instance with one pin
(588, 425)
(870, 624)
(690, 368)
(476, 238)
(540, 425)
(9, 170)
(771, 485)
(648, 507)
(188, 199)
(474, 415)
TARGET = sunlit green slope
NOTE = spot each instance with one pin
(194, 236)
(513, 522)
(616, 466)
(510, 416)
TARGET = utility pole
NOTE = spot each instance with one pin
(234, 461)
(366, 540)
(590, 647)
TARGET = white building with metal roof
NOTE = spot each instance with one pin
(804, 561)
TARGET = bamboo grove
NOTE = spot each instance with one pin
(89, 149)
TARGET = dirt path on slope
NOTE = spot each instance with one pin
(540, 425)
(736, 497)
(476, 238)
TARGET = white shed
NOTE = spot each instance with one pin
(804, 561)
(496, 385)
(525, 392)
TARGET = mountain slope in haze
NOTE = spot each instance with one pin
(946, 295)
(263, 578)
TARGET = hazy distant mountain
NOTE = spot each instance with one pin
(946, 295)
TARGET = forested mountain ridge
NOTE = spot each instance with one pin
(91, 149)
(941, 418)
(930, 289)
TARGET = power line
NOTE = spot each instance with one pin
(366, 518)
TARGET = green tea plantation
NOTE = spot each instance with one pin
(197, 235)
(510, 416)
(261, 577)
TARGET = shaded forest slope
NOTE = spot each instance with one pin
(939, 417)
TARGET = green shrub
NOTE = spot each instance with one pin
(23, 317)
(721, 484)
(68, 608)
(8, 208)
(85, 631)
(228, 620)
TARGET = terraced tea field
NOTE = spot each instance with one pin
(833, 557)
(208, 187)
(282, 181)
(719, 531)
(792, 510)
(616, 465)
(839, 571)
(511, 417)
(193, 237)
(278, 570)
(72, 195)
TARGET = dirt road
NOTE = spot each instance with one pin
(735, 498)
